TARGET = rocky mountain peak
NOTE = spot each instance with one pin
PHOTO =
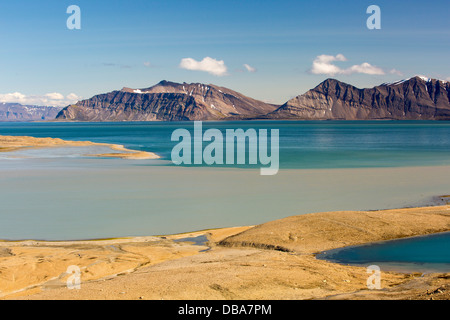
(167, 101)
(416, 98)
(415, 79)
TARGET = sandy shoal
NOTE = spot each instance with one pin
(242, 263)
(12, 143)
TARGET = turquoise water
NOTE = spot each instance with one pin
(308, 144)
(57, 194)
(425, 254)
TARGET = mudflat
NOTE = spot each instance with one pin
(12, 143)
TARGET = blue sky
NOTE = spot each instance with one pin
(139, 43)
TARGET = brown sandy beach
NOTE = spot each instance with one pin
(10, 143)
(275, 260)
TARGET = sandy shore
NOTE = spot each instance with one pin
(10, 143)
(275, 260)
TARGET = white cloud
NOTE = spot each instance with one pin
(323, 64)
(73, 97)
(395, 71)
(210, 65)
(12, 97)
(54, 96)
(250, 68)
(50, 99)
(365, 68)
(147, 64)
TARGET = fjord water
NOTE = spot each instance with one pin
(303, 145)
(56, 194)
(418, 254)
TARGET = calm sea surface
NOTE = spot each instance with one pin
(325, 166)
(303, 145)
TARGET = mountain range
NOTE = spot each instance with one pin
(416, 98)
(17, 112)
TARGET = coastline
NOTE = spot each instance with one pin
(13, 143)
(274, 260)
(237, 263)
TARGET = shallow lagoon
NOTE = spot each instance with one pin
(417, 254)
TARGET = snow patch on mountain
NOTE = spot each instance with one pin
(424, 78)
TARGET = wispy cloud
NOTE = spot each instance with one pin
(210, 65)
(118, 65)
(250, 68)
(50, 99)
(324, 64)
(147, 64)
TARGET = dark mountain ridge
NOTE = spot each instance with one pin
(417, 98)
